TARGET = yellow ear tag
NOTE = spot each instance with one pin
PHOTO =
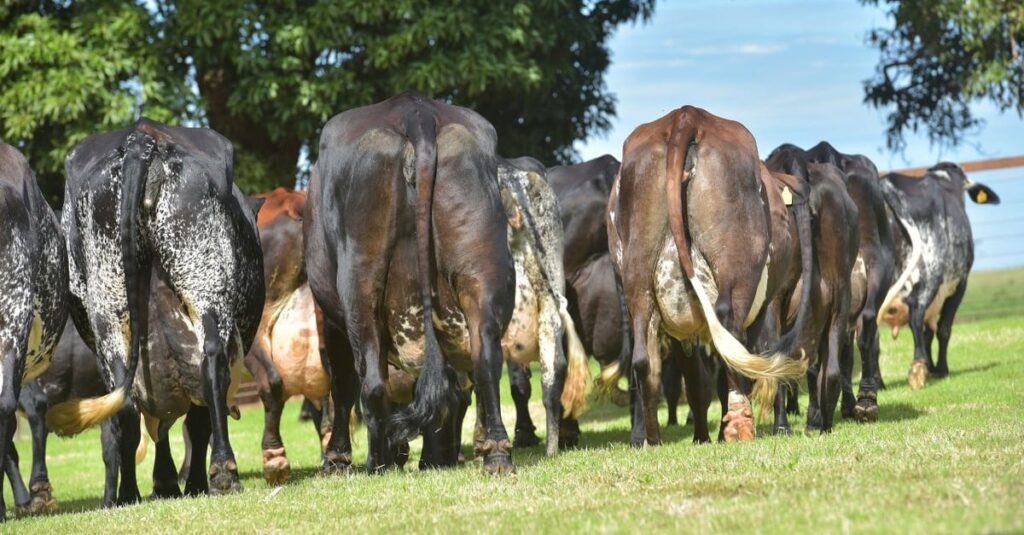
(787, 196)
(982, 197)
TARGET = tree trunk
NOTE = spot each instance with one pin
(277, 158)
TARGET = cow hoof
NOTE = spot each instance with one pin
(165, 489)
(276, 469)
(526, 438)
(497, 457)
(568, 440)
(336, 464)
(866, 411)
(739, 421)
(938, 373)
(42, 499)
(918, 375)
(462, 458)
(782, 430)
(224, 478)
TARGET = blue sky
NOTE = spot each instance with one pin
(792, 71)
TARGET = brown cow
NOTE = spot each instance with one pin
(407, 254)
(285, 356)
(692, 177)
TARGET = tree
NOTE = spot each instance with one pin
(268, 74)
(941, 57)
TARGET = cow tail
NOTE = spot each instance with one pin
(607, 383)
(766, 368)
(574, 394)
(429, 407)
(76, 415)
(764, 391)
(893, 201)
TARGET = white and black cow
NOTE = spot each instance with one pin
(935, 251)
(33, 289)
(540, 321)
(159, 198)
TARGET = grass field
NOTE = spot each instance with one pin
(946, 459)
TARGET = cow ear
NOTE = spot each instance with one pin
(982, 194)
(255, 203)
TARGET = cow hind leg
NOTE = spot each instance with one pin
(165, 476)
(918, 374)
(216, 377)
(276, 469)
(22, 499)
(553, 367)
(846, 368)
(813, 402)
(34, 403)
(692, 369)
(128, 437)
(485, 348)
(829, 378)
(945, 328)
(519, 383)
(781, 425)
(110, 441)
(197, 425)
(671, 384)
(338, 360)
(866, 409)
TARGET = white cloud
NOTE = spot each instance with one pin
(745, 49)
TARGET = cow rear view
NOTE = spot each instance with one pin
(407, 254)
(935, 252)
(160, 198)
(33, 289)
(690, 233)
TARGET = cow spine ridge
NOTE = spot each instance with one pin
(76, 415)
(433, 387)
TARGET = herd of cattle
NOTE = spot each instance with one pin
(420, 261)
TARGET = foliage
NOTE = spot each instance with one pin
(940, 58)
(268, 74)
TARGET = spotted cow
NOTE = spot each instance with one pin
(935, 252)
(285, 356)
(540, 321)
(694, 178)
(33, 290)
(159, 199)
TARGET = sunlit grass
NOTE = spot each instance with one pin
(948, 458)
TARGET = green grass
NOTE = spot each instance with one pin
(993, 294)
(948, 458)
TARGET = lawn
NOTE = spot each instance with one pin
(948, 458)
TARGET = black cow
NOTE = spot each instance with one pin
(826, 333)
(407, 253)
(935, 252)
(33, 291)
(160, 198)
(875, 264)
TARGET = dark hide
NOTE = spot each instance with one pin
(33, 294)
(826, 333)
(403, 205)
(934, 256)
(161, 198)
(876, 256)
